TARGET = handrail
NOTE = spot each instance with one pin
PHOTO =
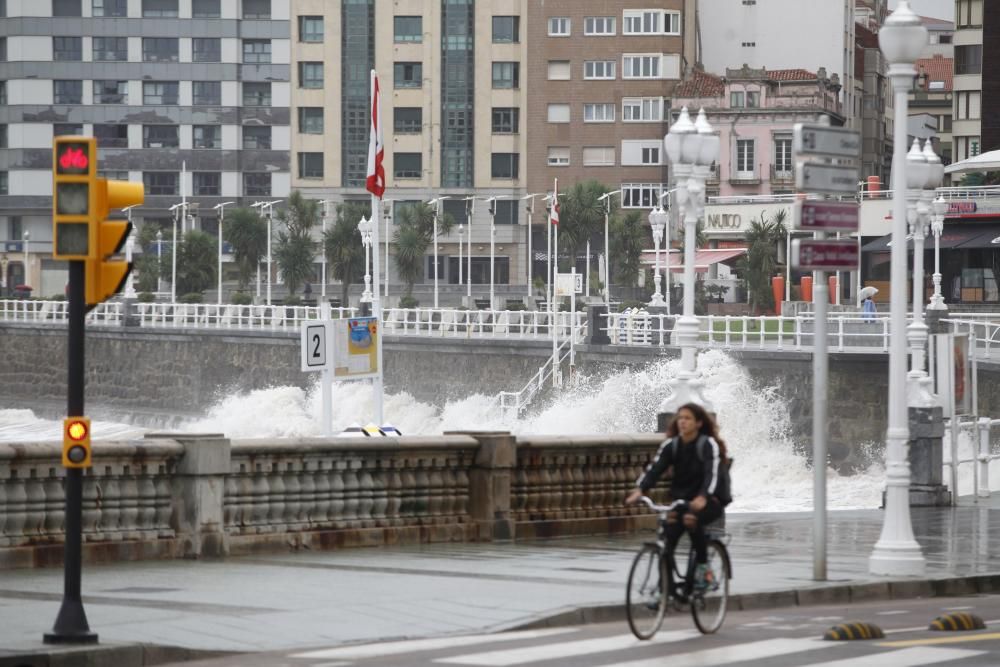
(519, 400)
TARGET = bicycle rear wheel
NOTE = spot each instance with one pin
(708, 607)
(646, 596)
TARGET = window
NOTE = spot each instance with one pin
(969, 105)
(599, 25)
(642, 109)
(640, 195)
(311, 75)
(969, 59)
(602, 112)
(256, 94)
(110, 8)
(599, 69)
(113, 174)
(641, 66)
(3, 136)
(160, 136)
(598, 156)
(558, 113)
(110, 49)
(207, 136)
(3, 92)
(559, 26)
(257, 137)
(783, 156)
(310, 165)
(559, 70)
(206, 50)
(310, 28)
(66, 8)
(651, 22)
(160, 182)
(67, 92)
(506, 75)
(745, 159)
(558, 156)
(641, 153)
(407, 165)
(256, 184)
(506, 120)
(506, 29)
(736, 99)
(159, 8)
(504, 165)
(159, 92)
(407, 120)
(160, 49)
(110, 92)
(207, 183)
(506, 211)
(408, 75)
(257, 51)
(969, 13)
(206, 92)
(3, 183)
(205, 9)
(257, 9)
(650, 155)
(408, 29)
(753, 99)
(3, 49)
(310, 120)
(67, 48)
(67, 129)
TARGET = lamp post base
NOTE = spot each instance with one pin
(657, 301)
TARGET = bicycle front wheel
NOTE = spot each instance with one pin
(708, 607)
(646, 595)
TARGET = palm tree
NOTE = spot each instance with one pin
(246, 232)
(342, 245)
(581, 216)
(415, 231)
(761, 260)
(196, 262)
(295, 250)
(628, 238)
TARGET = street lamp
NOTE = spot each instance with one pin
(27, 237)
(692, 149)
(177, 210)
(530, 208)
(326, 216)
(159, 257)
(221, 208)
(937, 228)
(606, 198)
(3, 275)
(267, 209)
(492, 203)
(470, 210)
(437, 203)
(657, 222)
(365, 228)
(461, 234)
(902, 38)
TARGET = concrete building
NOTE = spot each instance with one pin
(967, 124)
(932, 101)
(162, 84)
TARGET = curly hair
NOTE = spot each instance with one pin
(709, 427)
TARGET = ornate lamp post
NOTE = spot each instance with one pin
(326, 216)
(221, 208)
(365, 228)
(897, 553)
(657, 222)
(940, 207)
(159, 258)
(27, 237)
(606, 198)
(3, 275)
(437, 203)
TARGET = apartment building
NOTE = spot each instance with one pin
(189, 97)
(968, 132)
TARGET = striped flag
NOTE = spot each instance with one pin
(554, 215)
(375, 183)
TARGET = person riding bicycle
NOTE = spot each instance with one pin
(695, 479)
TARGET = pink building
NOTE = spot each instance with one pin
(754, 111)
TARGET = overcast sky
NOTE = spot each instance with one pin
(942, 9)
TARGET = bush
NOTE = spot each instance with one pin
(240, 299)
(516, 305)
(146, 297)
(292, 300)
(408, 302)
(629, 305)
(192, 297)
(57, 297)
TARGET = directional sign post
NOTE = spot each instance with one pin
(825, 216)
(826, 178)
(317, 355)
(826, 142)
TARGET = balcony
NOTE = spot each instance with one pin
(738, 177)
(782, 176)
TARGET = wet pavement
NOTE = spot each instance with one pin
(293, 600)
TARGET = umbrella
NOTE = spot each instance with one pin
(989, 161)
(867, 292)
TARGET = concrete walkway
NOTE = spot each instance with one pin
(278, 601)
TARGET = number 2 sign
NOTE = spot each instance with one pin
(315, 349)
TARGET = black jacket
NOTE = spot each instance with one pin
(693, 475)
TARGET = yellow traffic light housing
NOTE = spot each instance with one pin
(106, 276)
(76, 442)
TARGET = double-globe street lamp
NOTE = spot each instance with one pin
(658, 219)
(266, 208)
(221, 208)
(606, 198)
(437, 203)
(940, 209)
(902, 39)
(692, 148)
(365, 227)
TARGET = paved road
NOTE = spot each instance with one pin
(771, 638)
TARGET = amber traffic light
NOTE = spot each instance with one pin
(76, 442)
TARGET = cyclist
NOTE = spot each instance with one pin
(695, 479)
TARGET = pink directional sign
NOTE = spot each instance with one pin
(813, 255)
(824, 216)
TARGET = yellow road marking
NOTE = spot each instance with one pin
(942, 640)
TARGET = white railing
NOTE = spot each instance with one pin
(984, 329)
(980, 453)
(454, 323)
(230, 316)
(512, 403)
(34, 311)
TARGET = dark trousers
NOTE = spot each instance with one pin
(675, 528)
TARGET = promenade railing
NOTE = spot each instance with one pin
(56, 312)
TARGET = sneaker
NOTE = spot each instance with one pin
(704, 578)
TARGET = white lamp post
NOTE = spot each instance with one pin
(267, 209)
(159, 257)
(937, 228)
(326, 216)
(530, 208)
(461, 236)
(902, 38)
(27, 237)
(221, 208)
(657, 222)
(177, 210)
(606, 198)
(437, 203)
(365, 228)
(3, 275)
(692, 149)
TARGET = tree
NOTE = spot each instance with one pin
(295, 249)
(581, 216)
(342, 245)
(628, 238)
(414, 232)
(761, 260)
(196, 262)
(147, 265)
(246, 232)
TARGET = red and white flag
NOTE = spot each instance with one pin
(375, 183)
(554, 209)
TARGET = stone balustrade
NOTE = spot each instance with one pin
(194, 495)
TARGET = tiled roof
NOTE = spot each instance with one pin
(937, 68)
(791, 75)
(937, 24)
(700, 84)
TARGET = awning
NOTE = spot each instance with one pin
(703, 258)
(954, 236)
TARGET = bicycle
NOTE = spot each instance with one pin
(646, 598)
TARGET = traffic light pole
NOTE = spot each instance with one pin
(71, 624)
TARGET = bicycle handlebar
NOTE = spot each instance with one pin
(662, 508)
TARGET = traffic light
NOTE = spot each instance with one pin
(76, 442)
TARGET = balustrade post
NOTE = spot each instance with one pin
(490, 484)
(198, 492)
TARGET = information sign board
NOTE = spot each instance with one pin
(569, 283)
(826, 141)
(355, 348)
(315, 347)
(825, 255)
(826, 178)
(826, 216)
